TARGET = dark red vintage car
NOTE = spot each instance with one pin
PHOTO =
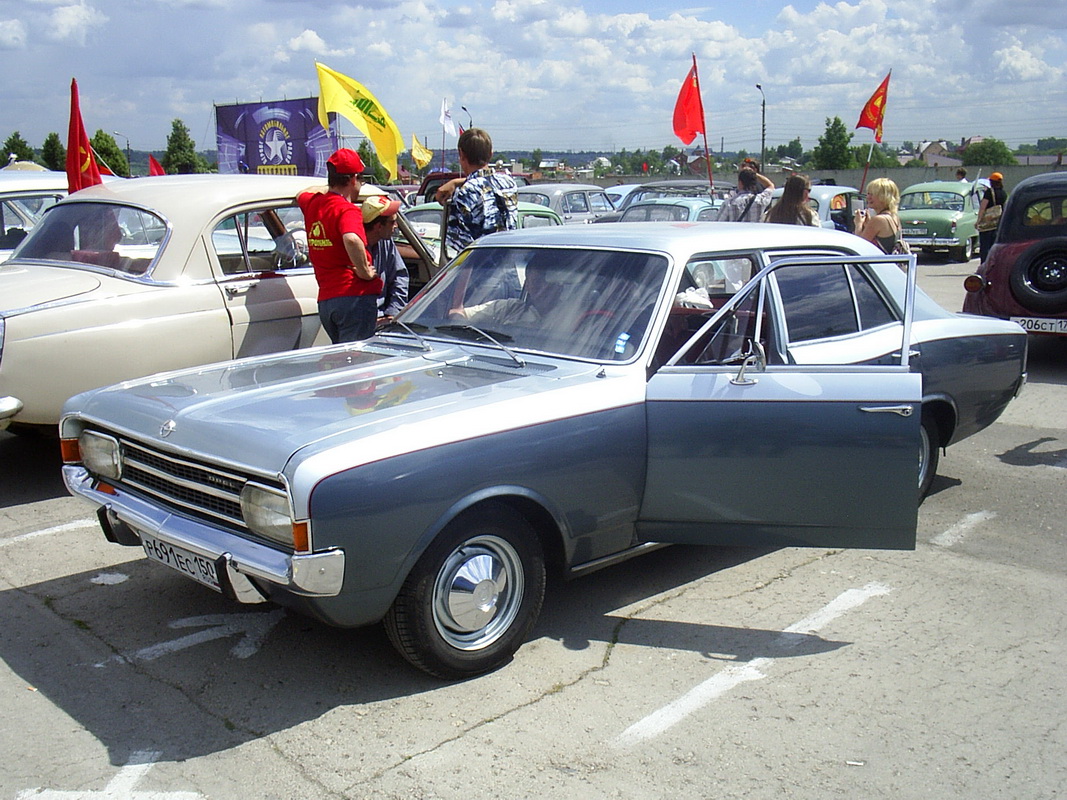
(1024, 279)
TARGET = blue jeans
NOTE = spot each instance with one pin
(349, 319)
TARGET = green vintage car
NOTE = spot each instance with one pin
(939, 217)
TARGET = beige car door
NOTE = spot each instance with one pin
(266, 280)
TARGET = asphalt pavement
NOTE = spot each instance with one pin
(688, 672)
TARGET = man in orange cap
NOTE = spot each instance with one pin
(349, 285)
(379, 221)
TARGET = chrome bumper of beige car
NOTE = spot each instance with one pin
(9, 407)
(238, 560)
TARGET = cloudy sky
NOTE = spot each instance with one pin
(550, 74)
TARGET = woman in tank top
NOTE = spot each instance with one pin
(883, 226)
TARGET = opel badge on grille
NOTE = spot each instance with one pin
(167, 428)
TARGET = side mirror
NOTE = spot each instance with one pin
(755, 360)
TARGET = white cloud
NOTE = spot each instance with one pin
(1016, 63)
(75, 22)
(12, 34)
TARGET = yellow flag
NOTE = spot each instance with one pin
(342, 95)
(419, 154)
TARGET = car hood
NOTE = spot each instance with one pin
(22, 287)
(262, 414)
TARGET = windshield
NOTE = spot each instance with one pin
(583, 303)
(945, 201)
(103, 234)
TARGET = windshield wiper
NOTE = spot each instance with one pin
(410, 329)
(493, 336)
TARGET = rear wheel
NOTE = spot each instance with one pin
(929, 455)
(473, 596)
(1039, 279)
(965, 252)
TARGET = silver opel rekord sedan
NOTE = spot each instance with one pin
(555, 399)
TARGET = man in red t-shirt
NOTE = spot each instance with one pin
(337, 246)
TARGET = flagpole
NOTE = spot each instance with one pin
(863, 183)
(707, 153)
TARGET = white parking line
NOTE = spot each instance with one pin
(699, 696)
(959, 531)
(121, 787)
(68, 526)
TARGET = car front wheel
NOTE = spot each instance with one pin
(472, 597)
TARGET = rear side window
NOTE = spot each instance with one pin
(1050, 211)
(535, 197)
(575, 203)
(600, 203)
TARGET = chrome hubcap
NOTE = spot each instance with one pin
(478, 592)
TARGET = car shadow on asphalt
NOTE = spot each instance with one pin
(145, 659)
(29, 469)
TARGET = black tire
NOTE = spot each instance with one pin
(473, 596)
(964, 252)
(929, 455)
(1039, 278)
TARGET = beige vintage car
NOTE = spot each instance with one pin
(140, 276)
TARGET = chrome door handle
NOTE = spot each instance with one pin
(233, 289)
(904, 410)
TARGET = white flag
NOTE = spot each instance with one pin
(446, 119)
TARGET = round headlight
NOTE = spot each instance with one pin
(100, 454)
(266, 512)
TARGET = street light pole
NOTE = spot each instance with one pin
(763, 134)
(129, 165)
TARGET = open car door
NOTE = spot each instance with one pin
(792, 418)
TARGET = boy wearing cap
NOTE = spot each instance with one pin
(379, 220)
(349, 285)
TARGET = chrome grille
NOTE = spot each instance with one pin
(193, 487)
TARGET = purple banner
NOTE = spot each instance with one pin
(279, 137)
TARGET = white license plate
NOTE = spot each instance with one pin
(199, 568)
(1038, 325)
(915, 231)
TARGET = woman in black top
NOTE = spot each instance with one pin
(994, 196)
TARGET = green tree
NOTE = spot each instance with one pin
(181, 156)
(879, 156)
(988, 153)
(833, 151)
(109, 153)
(53, 153)
(18, 147)
(794, 150)
(535, 160)
(372, 163)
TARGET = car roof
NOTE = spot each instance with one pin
(957, 187)
(702, 202)
(822, 190)
(181, 195)
(683, 237)
(558, 188)
(30, 181)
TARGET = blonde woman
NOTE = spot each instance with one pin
(883, 225)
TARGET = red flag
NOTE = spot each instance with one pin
(154, 167)
(81, 165)
(874, 112)
(689, 110)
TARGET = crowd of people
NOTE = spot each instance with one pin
(363, 282)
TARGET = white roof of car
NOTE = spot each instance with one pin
(21, 181)
(684, 236)
(185, 196)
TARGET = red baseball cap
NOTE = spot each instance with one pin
(347, 162)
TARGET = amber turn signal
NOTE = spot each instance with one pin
(974, 283)
(68, 448)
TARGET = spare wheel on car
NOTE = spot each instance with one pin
(1039, 278)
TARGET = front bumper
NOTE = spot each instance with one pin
(9, 407)
(241, 563)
